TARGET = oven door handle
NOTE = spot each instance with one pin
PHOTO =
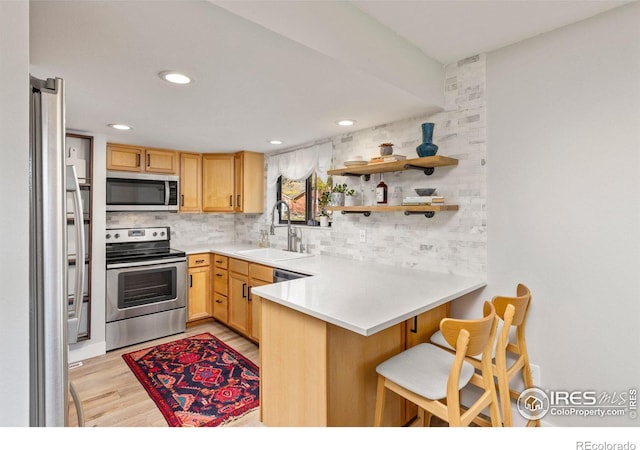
(157, 262)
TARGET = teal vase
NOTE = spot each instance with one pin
(427, 148)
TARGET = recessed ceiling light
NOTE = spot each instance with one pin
(345, 122)
(120, 126)
(275, 142)
(174, 77)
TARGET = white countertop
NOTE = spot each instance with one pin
(362, 297)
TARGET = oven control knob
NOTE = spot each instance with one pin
(108, 236)
(155, 234)
(117, 236)
(162, 233)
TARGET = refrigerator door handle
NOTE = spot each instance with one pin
(75, 315)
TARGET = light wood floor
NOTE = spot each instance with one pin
(112, 396)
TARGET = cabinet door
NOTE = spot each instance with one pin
(217, 182)
(199, 293)
(249, 182)
(255, 314)
(190, 182)
(161, 161)
(124, 157)
(238, 304)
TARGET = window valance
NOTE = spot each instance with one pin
(299, 164)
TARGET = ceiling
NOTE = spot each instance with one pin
(267, 70)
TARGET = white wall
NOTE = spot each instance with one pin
(14, 220)
(563, 199)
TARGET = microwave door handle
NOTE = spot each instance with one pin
(73, 186)
(167, 191)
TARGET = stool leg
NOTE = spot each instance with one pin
(380, 395)
(505, 399)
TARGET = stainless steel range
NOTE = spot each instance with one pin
(146, 286)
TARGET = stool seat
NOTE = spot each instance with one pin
(424, 369)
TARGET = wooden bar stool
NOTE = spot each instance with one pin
(432, 377)
(509, 358)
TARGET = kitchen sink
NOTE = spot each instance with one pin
(273, 254)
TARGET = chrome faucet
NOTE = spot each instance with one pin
(291, 235)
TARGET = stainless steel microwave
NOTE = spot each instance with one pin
(129, 191)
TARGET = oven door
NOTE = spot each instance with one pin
(137, 289)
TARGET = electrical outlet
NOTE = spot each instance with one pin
(363, 235)
(205, 227)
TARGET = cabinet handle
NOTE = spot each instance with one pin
(182, 200)
(198, 261)
(190, 280)
(138, 160)
(218, 274)
(148, 160)
(414, 329)
(249, 294)
(231, 200)
(218, 261)
(244, 290)
(238, 201)
(218, 301)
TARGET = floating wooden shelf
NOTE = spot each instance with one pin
(427, 210)
(426, 164)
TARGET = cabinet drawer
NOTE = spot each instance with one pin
(221, 261)
(220, 281)
(221, 308)
(238, 266)
(260, 272)
(199, 260)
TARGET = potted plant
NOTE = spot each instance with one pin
(338, 193)
(323, 201)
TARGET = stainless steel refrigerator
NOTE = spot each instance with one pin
(54, 316)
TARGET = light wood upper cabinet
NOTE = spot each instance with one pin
(190, 182)
(125, 157)
(217, 182)
(161, 161)
(131, 158)
(249, 182)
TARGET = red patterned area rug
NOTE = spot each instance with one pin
(197, 381)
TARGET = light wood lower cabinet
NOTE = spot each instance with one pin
(220, 288)
(199, 305)
(244, 306)
(238, 304)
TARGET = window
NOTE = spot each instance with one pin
(302, 198)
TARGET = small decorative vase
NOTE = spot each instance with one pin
(324, 221)
(427, 148)
(337, 198)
